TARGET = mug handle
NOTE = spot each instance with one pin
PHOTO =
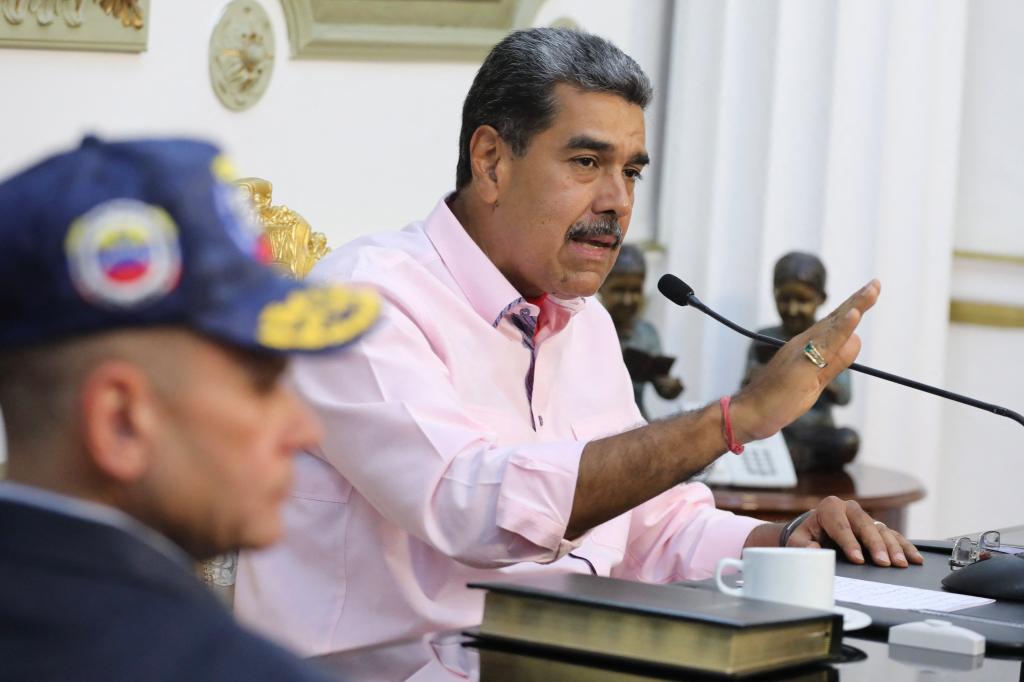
(722, 587)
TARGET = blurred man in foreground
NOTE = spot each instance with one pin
(141, 351)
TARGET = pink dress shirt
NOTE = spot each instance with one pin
(453, 439)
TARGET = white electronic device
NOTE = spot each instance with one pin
(940, 635)
(763, 464)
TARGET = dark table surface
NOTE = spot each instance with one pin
(1002, 622)
(443, 657)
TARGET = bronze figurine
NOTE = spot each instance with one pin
(623, 295)
(814, 441)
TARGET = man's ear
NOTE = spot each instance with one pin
(487, 151)
(119, 420)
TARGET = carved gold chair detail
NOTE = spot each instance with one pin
(294, 248)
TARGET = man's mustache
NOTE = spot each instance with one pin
(604, 226)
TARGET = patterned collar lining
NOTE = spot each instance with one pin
(507, 310)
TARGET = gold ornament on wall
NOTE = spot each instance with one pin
(47, 11)
(128, 11)
(107, 25)
(241, 54)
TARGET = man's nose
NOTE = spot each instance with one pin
(615, 196)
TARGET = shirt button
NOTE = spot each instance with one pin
(540, 420)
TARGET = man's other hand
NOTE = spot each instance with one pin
(853, 532)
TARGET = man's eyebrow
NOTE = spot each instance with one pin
(640, 159)
(588, 142)
(595, 145)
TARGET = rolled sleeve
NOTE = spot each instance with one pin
(679, 535)
(536, 496)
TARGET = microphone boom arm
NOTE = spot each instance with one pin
(692, 300)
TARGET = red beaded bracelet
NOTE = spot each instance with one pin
(730, 439)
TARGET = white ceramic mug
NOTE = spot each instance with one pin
(793, 575)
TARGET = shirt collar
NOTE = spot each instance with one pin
(95, 513)
(487, 290)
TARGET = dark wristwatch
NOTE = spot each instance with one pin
(788, 529)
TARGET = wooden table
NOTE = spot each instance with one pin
(884, 493)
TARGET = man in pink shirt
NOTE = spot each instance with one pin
(488, 427)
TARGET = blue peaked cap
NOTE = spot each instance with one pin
(144, 233)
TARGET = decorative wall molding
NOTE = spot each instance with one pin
(109, 25)
(45, 12)
(1012, 259)
(987, 289)
(402, 29)
(986, 314)
(241, 54)
(566, 22)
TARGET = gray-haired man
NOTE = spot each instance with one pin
(489, 426)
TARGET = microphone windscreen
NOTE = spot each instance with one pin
(675, 289)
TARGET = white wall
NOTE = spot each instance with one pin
(828, 126)
(883, 134)
(981, 454)
(990, 200)
(353, 146)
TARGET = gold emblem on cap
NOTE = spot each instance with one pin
(223, 168)
(311, 319)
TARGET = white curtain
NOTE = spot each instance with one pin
(829, 126)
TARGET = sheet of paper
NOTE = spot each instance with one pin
(899, 597)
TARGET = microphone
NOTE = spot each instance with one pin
(680, 293)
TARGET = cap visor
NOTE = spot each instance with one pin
(285, 316)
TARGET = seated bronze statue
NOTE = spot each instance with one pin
(623, 295)
(814, 441)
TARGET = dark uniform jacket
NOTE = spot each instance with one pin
(87, 601)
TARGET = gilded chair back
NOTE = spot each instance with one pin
(294, 246)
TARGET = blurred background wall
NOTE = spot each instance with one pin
(354, 146)
(882, 134)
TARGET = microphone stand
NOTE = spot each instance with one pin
(669, 286)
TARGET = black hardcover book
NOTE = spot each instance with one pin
(689, 628)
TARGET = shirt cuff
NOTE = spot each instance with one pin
(536, 496)
(723, 536)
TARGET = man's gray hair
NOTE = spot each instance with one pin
(514, 89)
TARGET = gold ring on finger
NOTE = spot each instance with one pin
(814, 355)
